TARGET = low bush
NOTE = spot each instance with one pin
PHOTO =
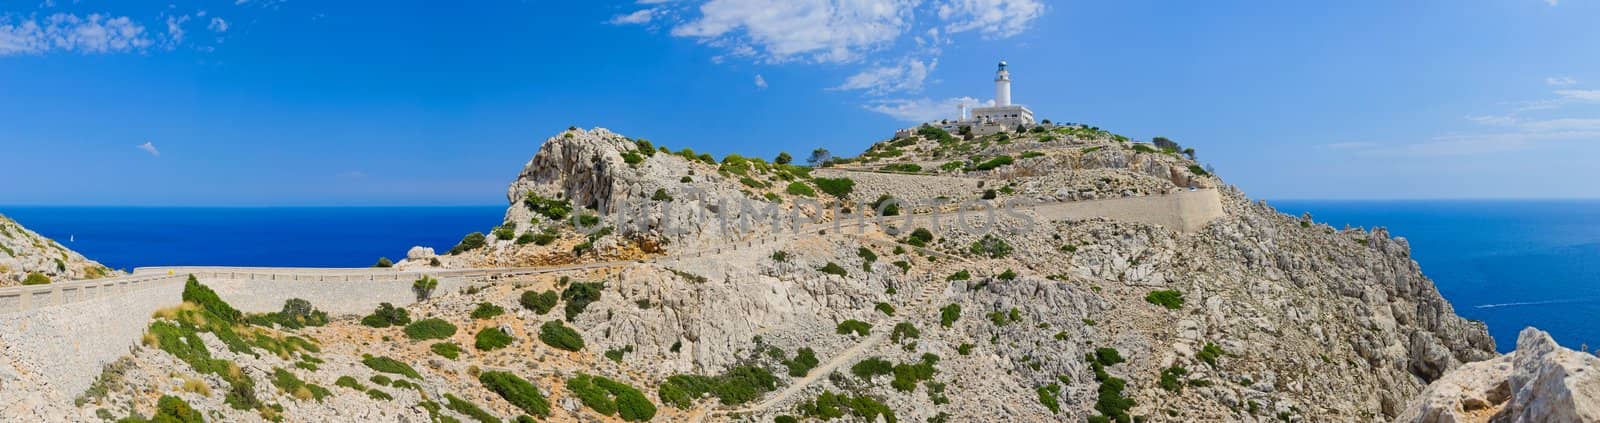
(833, 269)
(920, 237)
(294, 387)
(36, 278)
(991, 247)
(467, 408)
(804, 360)
(949, 314)
(424, 287)
(858, 327)
(579, 295)
(959, 276)
(837, 187)
(559, 336)
(904, 330)
(487, 311)
(426, 329)
(389, 365)
(885, 308)
(1048, 396)
(540, 302)
(295, 314)
(203, 296)
(1209, 354)
(349, 382)
(171, 409)
(386, 315)
(552, 209)
(1169, 298)
(608, 397)
(517, 391)
(1172, 378)
(505, 232)
(830, 406)
(800, 189)
(383, 262)
(872, 366)
(470, 242)
(490, 339)
(446, 349)
(993, 163)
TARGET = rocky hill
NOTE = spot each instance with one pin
(1060, 307)
(1539, 382)
(27, 257)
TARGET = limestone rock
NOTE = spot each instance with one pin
(1539, 382)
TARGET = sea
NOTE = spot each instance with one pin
(1508, 263)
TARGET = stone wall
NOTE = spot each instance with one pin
(1185, 211)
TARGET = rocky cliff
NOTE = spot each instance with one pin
(1539, 382)
(25, 254)
(1249, 315)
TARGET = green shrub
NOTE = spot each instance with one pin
(833, 269)
(487, 311)
(830, 406)
(517, 391)
(801, 189)
(1198, 171)
(1008, 275)
(631, 158)
(389, 365)
(490, 338)
(374, 393)
(294, 387)
(804, 360)
(424, 287)
(885, 308)
(505, 232)
(872, 366)
(949, 314)
(1172, 378)
(383, 262)
(866, 254)
(426, 329)
(1169, 298)
(386, 315)
(1048, 396)
(171, 409)
(579, 295)
(1141, 148)
(907, 375)
(1209, 354)
(837, 187)
(349, 382)
(203, 296)
(780, 256)
(470, 242)
(903, 167)
(35, 278)
(991, 247)
(552, 209)
(661, 195)
(559, 336)
(858, 327)
(736, 386)
(446, 349)
(904, 330)
(539, 302)
(994, 163)
(608, 397)
(381, 380)
(959, 276)
(469, 409)
(919, 237)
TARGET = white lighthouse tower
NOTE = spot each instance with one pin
(1003, 116)
(1002, 86)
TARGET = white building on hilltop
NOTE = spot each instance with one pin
(1003, 112)
(1001, 117)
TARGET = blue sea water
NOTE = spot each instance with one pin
(1511, 264)
(129, 237)
(1508, 263)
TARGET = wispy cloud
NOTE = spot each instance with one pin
(1580, 95)
(993, 18)
(91, 34)
(788, 30)
(905, 76)
(218, 25)
(1560, 81)
(761, 82)
(923, 109)
(638, 17)
(149, 147)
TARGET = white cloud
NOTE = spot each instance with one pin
(827, 31)
(924, 109)
(761, 82)
(1560, 81)
(993, 18)
(94, 33)
(175, 31)
(218, 25)
(639, 17)
(1579, 95)
(906, 76)
(1493, 120)
(150, 148)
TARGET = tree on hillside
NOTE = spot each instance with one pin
(819, 156)
(1164, 143)
(783, 158)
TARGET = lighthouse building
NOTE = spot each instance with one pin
(1003, 116)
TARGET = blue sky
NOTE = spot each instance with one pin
(284, 102)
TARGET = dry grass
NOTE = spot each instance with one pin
(150, 340)
(172, 313)
(197, 386)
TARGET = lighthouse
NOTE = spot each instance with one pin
(1002, 86)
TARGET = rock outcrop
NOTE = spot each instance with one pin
(1539, 382)
(24, 253)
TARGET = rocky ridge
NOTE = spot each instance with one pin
(1538, 382)
(1258, 316)
(24, 253)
